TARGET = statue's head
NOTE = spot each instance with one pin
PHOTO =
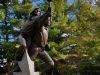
(36, 12)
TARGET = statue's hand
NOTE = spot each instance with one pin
(49, 11)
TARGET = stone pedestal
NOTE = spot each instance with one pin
(26, 66)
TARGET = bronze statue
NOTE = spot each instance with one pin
(34, 37)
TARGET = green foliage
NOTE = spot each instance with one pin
(17, 22)
(58, 7)
(23, 9)
(10, 49)
(85, 30)
(54, 34)
(2, 15)
(67, 69)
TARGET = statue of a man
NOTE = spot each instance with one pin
(34, 37)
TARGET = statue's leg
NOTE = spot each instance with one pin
(34, 52)
(19, 53)
(48, 62)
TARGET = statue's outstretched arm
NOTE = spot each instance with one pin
(44, 17)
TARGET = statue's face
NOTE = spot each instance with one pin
(38, 12)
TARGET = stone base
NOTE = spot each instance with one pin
(26, 66)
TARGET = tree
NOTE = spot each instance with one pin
(84, 31)
(13, 15)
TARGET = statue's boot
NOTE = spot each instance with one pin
(48, 62)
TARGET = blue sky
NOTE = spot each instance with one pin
(41, 1)
(71, 1)
(37, 2)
